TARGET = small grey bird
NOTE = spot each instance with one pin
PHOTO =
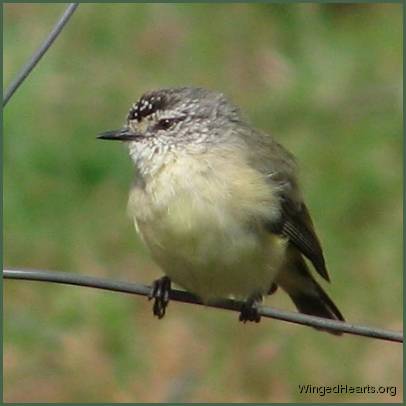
(218, 204)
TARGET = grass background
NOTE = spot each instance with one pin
(326, 80)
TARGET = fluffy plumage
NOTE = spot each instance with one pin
(218, 203)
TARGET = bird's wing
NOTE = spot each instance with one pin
(296, 225)
(294, 222)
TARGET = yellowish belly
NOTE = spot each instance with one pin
(206, 234)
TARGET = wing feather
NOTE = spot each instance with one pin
(295, 223)
(279, 166)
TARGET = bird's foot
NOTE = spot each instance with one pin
(249, 310)
(160, 292)
(273, 289)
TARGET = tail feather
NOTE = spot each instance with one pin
(316, 303)
(307, 295)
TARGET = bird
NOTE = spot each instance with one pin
(218, 204)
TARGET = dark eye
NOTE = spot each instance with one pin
(165, 123)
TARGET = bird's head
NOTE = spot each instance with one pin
(167, 121)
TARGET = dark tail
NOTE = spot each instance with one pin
(307, 295)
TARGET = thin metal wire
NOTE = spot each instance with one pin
(186, 297)
(39, 53)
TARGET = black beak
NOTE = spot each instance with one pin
(123, 134)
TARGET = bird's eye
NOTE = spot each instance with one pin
(164, 124)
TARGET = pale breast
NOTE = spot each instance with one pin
(202, 221)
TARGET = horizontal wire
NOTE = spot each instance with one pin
(39, 53)
(186, 297)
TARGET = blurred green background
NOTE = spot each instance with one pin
(326, 80)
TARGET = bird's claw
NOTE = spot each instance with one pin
(160, 292)
(273, 289)
(249, 310)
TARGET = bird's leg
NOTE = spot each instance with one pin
(273, 289)
(160, 292)
(249, 310)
